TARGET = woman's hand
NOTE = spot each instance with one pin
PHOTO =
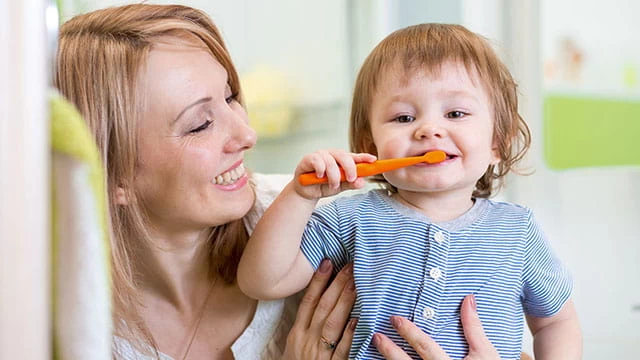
(321, 330)
(480, 348)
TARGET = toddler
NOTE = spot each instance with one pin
(431, 236)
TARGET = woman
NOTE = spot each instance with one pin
(162, 98)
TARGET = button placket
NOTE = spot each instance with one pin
(435, 273)
(426, 315)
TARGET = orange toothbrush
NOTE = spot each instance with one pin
(377, 167)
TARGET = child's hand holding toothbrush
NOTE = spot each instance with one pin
(332, 164)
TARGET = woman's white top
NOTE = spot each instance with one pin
(265, 337)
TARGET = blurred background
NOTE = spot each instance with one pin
(577, 64)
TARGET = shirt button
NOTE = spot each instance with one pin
(428, 313)
(439, 237)
(435, 273)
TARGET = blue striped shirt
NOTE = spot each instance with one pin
(406, 265)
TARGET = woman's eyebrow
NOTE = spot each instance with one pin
(198, 102)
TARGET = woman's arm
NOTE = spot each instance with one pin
(323, 314)
(480, 348)
(558, 336)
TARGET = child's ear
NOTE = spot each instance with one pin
(121, 197)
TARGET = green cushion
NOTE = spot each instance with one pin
(583, 131)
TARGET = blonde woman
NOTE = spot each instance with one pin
(161, 95)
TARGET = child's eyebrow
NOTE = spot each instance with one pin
(459, 94)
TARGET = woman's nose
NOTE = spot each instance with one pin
(243, 137)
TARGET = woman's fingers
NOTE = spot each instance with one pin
(479, 345)
(418, 340)
(312, 295)
(334, 297)
(332, 312)
(336, 320)
(473, 330)
(388, 348)
(342, 350)
(340, 313)
(319, 329)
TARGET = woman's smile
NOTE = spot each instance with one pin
(231, 176)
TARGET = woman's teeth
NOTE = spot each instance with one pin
(230, 176)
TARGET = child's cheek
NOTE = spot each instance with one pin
(392, 147)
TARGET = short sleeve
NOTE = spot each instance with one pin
(547, 284)
(324, 238)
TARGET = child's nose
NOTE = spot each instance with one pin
(428, 130)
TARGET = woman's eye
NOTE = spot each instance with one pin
(455, 114)
(204, 125)
(232, 98)
(404, 118)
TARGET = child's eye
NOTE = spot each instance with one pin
(204, 125)
(455, 114)
(404, 119)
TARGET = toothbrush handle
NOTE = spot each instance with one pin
(377, 167)
(363, 169)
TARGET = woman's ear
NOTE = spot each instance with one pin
(121, 197)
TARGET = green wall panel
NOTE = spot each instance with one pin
(591, 131)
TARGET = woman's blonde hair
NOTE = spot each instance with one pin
(100, 58)
(426, 47)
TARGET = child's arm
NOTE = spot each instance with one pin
(272, 265)
(558, 336)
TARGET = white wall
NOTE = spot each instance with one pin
(24, 177)
(304, 39)
(607, 32)
(597, 209)
(590, 215)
